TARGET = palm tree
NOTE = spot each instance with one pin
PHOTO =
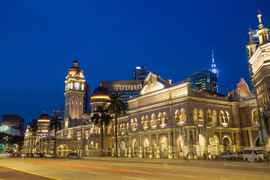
(101, 117)
(117, 107)
(55, 125)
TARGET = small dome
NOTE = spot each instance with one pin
(100, 94)
(44, 116)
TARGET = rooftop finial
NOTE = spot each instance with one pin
(259, 17)
(75, 63)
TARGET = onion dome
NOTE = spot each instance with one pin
(101, 95)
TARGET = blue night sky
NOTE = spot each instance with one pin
(39, 39)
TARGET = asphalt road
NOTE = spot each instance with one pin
(108, 169)
(11, 174)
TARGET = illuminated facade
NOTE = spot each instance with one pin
(173, 121)
(165, 120)
(258, 49)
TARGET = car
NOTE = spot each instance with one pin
(15, 154)
(73, 155)
(49, 155)
(253, 154)
(229, 156)
(5, 155)
(38, 155)
(23, 155)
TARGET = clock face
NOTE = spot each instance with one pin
(70, 85)
(77, 86)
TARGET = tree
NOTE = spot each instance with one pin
(102, 118)
(55, 125)
(117, 107)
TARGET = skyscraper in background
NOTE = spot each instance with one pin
(213, 67)
(206, 80)
(140, 73)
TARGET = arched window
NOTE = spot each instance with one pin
(214, 116)
(195, 115)
(224, 118)
(144, 121)
(209, 117)
(227, 117)
(133, 124)
(183, 116)
(153, 121)
(200, 115)
(254, 117)
(180, 116)
(163, 120)
(177, 115)
(159, 118)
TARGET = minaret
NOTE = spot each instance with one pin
(75, 90)
(263, 32)
(258, 49)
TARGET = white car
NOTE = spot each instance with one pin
(5, 155)
(253, 154)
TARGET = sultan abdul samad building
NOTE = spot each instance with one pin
(188, 119)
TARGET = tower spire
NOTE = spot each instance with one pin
(213, 57)
(213, 67)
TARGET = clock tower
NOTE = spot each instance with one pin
(75, 91)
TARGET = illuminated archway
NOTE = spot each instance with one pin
(213, 147)
(62, 150)
(163, 147)
(202, 145)
(180, 151)
(135, 148)
(227, 142)
(146, 148)
(123, 148)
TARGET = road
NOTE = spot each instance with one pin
(10, 174)
(108, 169)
